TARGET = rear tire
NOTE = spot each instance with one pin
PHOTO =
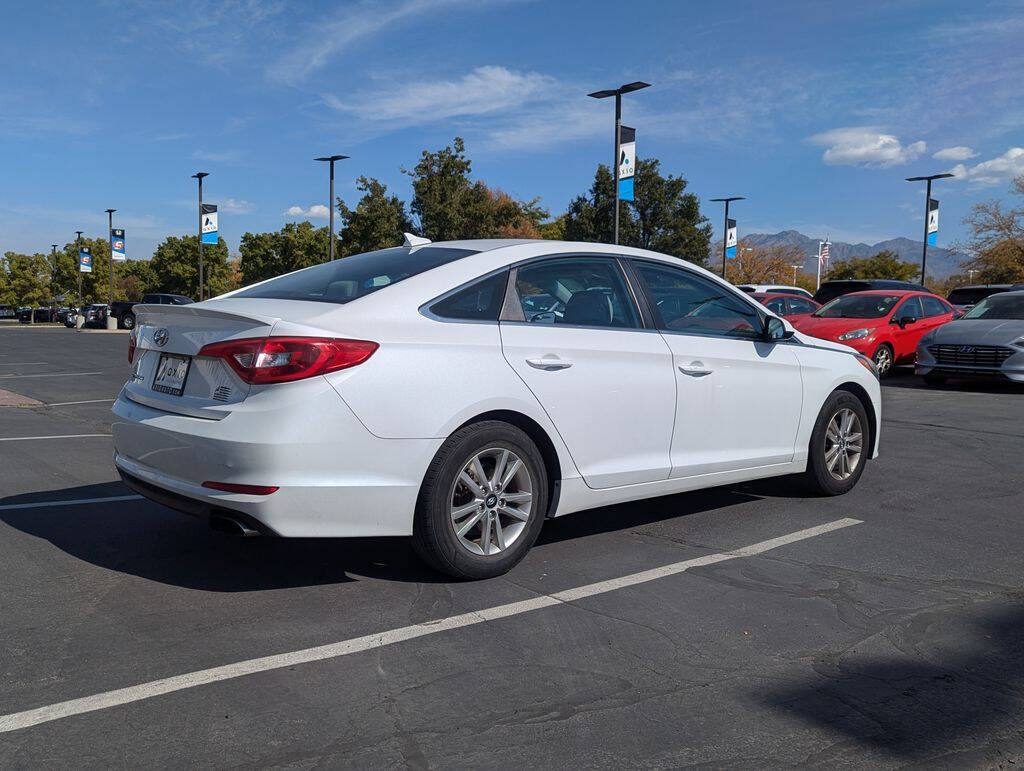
(464, 525)
(935, 380)
(840, 445)
(128, 321)
(884, 360)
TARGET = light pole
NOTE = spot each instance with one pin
(110, 230)
(199, 175)
(330, 200)
(617, 93)
(795, 268)
(78, 259)
(725, 232)
(927, 201)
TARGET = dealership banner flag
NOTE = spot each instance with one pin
(627, 162)
(730, 238)
(84, 260)
(117, 253)
(209, 218)
(933, 221)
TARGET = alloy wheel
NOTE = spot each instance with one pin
(843, 444)
(491, 501)
(883, 360)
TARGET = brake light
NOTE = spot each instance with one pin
(261, 360)
(132, 340)
(231, 487)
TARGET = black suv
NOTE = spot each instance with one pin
(125, 315)
(830, 290)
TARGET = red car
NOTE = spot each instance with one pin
(884, 324)
(787, 305)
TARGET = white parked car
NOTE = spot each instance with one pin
(462, 392)
(775, 289)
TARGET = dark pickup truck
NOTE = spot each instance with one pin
(125, 314)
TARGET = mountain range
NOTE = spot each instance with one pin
(941, 262)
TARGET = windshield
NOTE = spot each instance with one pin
(353, 277)
(1000, 306)
(850, 306)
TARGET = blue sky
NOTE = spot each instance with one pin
(815, 111)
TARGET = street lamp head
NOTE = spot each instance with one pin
(932, 176)
(79, 233)
(636, 85)
(732, 198)
(200, 174)
(603, 94)
(110, 211)
(332, 158)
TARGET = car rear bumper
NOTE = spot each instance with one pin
(334, 478)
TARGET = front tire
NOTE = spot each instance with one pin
(482, 503)
(884, 360)
(840, 445)
(128, 321)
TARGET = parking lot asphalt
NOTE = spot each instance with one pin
(894, 640)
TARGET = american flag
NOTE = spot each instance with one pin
(823, 253)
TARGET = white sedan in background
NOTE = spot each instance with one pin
(462, 392)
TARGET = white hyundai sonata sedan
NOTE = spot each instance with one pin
(463, 392)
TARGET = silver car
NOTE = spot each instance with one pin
(987, 340)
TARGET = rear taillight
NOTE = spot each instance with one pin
(231, 487)
(283, 359)
(132, 340)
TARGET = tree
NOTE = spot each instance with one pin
(663, 217)
(175, 266)
(297, 245)
(996, 242)
(378, 221)
(26, 279)
(134, 278)
(763, 264)
(554, 230)
(450, 206)
(885, 264)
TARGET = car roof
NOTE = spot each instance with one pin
(886, 292)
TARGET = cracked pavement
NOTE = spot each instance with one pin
(898, 642)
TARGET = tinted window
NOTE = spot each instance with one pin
(832, 289)
(686, 302)
(353, 277)
(800, 305)
(909, 307)
(580, 291)
(776, 306)
(933, 306)
(480, 301)
(854, 306)
(972, 295)
(999, 306)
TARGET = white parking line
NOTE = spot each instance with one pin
(84, 401)
(55, 436)
(74, 502)
(53, 374)
(63, 709)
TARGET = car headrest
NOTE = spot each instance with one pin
(591, 307)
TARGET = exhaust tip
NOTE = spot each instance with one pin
(232, 526)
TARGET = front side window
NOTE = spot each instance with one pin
(686, 302)
(776, 306)
(350, 278)
(575, 291)
(865, 306)
(479, 301)
(800, 305)
(911, 308)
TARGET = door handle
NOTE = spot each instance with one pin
(549, 363)
(695, 369)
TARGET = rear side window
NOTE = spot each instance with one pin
(578, 291)
(353, 277)
(479, 301)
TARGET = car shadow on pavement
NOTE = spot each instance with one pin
(142, 538)
(955, 689)
(993, 385)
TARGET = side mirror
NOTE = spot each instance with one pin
(775, 329)
(903, 321)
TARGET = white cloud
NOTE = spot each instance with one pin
(865, 146)
(315, 212)
(958, 153)
(992, 172)
(351, 26)
(236, 206)
(484, 90)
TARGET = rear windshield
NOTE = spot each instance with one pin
(998, 306)
(353, 277)
(865, 306)
(969, 296)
